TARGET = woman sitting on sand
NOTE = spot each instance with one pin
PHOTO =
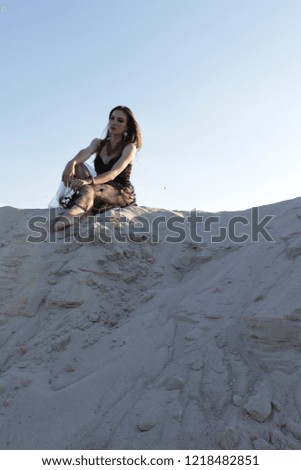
(113, 164)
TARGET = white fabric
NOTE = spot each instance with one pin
(64, 193)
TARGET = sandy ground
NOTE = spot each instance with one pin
(147, 343)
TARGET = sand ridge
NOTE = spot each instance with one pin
(149, 344)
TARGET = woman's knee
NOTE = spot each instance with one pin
(81, 171)
(87, 190)
(86, 197)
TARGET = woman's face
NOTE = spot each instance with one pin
(117, 122)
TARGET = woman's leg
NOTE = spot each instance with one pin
(82, 172)
(85, 200)
(102, 195)
(99, 196)
(82, 205)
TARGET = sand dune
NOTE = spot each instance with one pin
(143, 342)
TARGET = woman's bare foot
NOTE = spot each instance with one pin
(67, 219)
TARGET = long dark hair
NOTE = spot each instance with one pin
(133, 130)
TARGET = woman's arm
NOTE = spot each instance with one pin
(81, 157)
(126, 158)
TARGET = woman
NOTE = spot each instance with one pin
(113, 164)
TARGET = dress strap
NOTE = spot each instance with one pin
(101, 146)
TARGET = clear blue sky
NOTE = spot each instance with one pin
(214, 84)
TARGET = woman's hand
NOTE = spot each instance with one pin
(76, 184)
(68, 173)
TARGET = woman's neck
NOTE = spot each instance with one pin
(114, 140)
(113, 146)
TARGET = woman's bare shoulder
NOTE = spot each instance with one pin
(94, 145)
(129, 148)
